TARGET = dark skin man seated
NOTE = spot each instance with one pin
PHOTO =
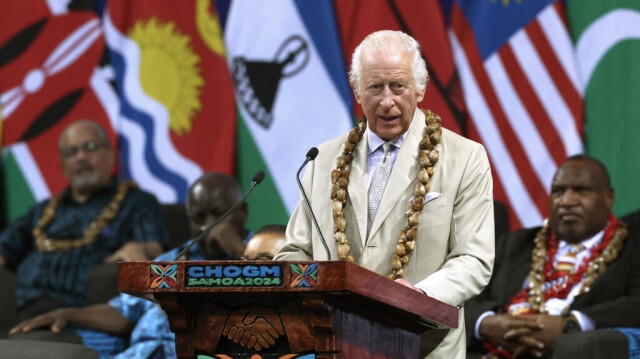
(96, 219)
(209, 197)
(579, 272)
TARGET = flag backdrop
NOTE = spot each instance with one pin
(607, 38)
(291, 90)
(49, 56)
(520, 84)
(177, 115)
(238, 86)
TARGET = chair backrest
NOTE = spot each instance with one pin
(103, 278)
(8, 306)
(501, 218)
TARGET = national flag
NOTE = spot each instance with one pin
(49, 55)
(607, 38)
(424, 21)
(177, 116)
(523, 94)
(292, 93)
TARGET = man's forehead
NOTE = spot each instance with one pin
(576, 173)
(79, 133)
(210, 197)
(263, 242)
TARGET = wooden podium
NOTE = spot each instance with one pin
(277, 309)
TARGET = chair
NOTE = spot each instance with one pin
(103, 279)
(8, 307)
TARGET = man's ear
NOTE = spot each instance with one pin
(243, 213)
(609, 198)
(355, 93)
(239, 219)
(420, 95)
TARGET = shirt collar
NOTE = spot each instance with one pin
(587, 243)
(375, 141)
(109, 190)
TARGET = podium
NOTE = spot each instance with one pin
(279, 309)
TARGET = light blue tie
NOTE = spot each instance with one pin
(378, 184)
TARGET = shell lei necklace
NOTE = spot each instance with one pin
(599, 257)
(542, 268)
(427, 158)
(51, 245)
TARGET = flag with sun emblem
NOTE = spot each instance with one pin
(291, 90)
(177, 114)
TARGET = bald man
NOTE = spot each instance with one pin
(96, 219)
(266, 242)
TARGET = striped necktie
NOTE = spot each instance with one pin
(378, 184)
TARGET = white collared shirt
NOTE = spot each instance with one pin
(555, 306)
(375, 152)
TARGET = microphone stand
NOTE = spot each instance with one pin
(257, 178)
(311, 155)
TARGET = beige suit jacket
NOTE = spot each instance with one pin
(454, 251)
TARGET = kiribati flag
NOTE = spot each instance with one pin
(176, 118)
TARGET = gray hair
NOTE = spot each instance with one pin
(389, 41)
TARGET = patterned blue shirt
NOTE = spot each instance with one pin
(63, 275)
(151, 336)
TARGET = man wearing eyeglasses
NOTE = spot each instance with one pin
(103, 326)
(96, 219)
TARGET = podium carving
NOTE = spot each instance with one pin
(267, 309)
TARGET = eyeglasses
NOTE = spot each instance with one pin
(87, 147)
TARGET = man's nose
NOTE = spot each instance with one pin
(387, 98)
(81, 154)
(568, 198)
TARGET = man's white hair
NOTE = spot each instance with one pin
(389, 42)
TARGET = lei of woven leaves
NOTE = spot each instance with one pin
(427, 158)
(596, 267)
(50, 245)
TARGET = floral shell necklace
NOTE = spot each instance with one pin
(542, 270)
(427, 158)
(546, 247)
(109, 212)
(595, 264)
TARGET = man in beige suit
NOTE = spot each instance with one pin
(431, 227)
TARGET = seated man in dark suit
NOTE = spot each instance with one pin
(579, 272)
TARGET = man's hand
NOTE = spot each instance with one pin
(55, 320)
(129, 252)
(3, 262)
(540, 341)
(513, 333)
(224, 237)
(405, 283)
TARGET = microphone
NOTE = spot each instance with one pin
(311, 155)
(257, 178)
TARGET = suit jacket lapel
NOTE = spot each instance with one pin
(358, 186)
(403, 173)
